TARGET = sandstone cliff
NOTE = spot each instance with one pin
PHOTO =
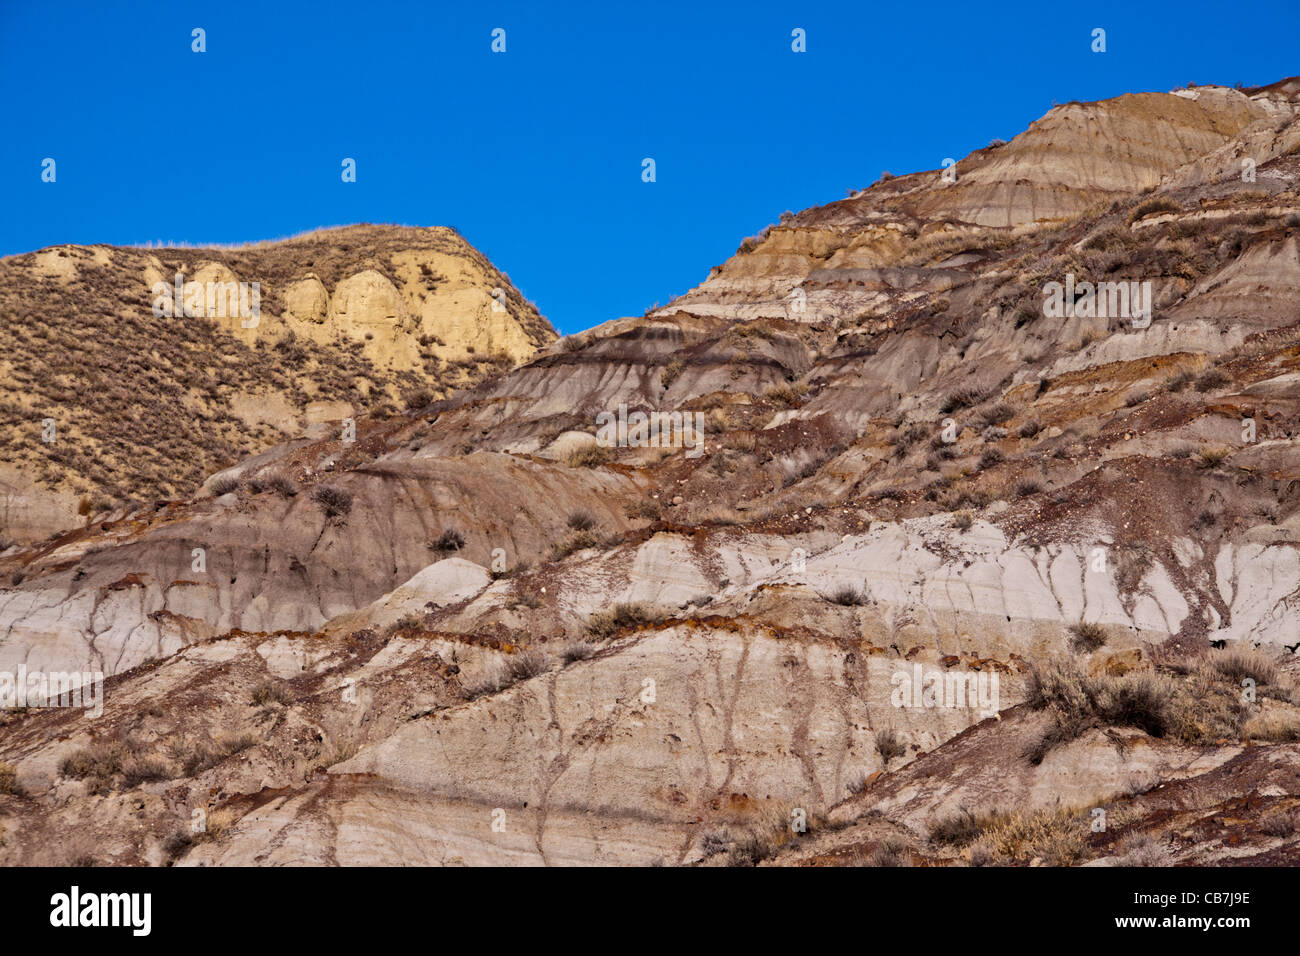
(143, 405)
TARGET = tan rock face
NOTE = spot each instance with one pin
(460, 308)
(318, 412)
(306, 301)
(367, 308)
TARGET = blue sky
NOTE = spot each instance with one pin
(535, 154)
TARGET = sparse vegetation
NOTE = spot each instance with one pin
(670, 372)
(581, 520)
(579, 541)
(335, 502)
(588, 456)
(1194, 707)
(1273, 727)
(282, 485)
(890, 852)
(784, 396)
(847, 596)
(1240, 663)
(504, 672)
(623, 615)
(577, 651)
(449, 540)
(996, 414)
(1027, 488)
(268, 693)
(1087, 636)
(1151, 207)
(224, 486)
(889, 744)
(957, 829)
(1212, 457)
(1211, 379)
(1279, 823)
(961, 398)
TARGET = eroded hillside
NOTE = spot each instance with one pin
(478, 634)
(109, 402)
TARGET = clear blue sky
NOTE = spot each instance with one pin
(535, 155)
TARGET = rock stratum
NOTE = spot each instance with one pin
(931, 572)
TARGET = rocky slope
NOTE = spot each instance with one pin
(111, 396)
(476, 635)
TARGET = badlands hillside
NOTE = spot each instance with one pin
(145, 406)
(480, 635)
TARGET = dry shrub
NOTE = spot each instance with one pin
(1211, 379)
(1057, 836)
(958, 829)
(581, 520)
(670, 372)
(1239, 663)
(588, 456)
(1143, 849)
(624, 614)
(996, 414)
(1079, 701)
(224, 486)
(1193, 708)
(742, 441)
(449, 540)
(1151, 207)
(8, 779)
(282, 485)
(270, 692)
(577, 651)
(1273, 726)
(847, 596)
(961, 398)
(785, 396)
(217, 823)
(335, 502)
(1212, 457)
(889, 852)
(197, 756)
(1279, 823)
(890, 744)
(1087, 636)
(525, 664)
(1027, 488)
(580, 541)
